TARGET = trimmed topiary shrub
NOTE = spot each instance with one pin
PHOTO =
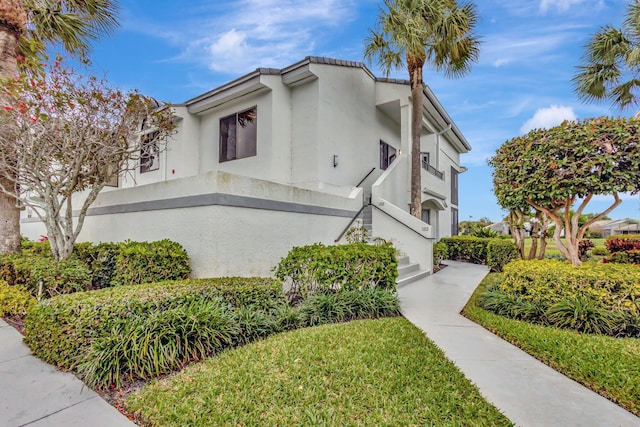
(501, 252)
(61, 330)
(319, 269)
(147, 262)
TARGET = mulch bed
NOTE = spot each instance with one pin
(15, 321)
(439, 267)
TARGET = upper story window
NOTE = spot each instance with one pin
(387, 155)
(238, 135)
(149, 152)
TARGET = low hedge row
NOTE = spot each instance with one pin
(60, 330)
(592, 297)
(318, 268)
(624, 248)
(550, 281)
(94, 266)
(494, 252)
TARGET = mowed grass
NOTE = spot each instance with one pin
(381, 372)
(552, 248)
(609, 366)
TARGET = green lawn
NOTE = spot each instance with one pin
(381, 372)
(609, 366)
(552, 248)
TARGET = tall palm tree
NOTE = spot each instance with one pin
(440, 33)
(611, 63)
(27, 27)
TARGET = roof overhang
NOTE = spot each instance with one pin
(252, 83)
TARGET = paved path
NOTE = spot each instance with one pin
(35, 394)
(527, 391)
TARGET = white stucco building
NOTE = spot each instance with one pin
(282, 158)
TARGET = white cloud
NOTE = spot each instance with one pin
(548, 117)
(564, 5)
(500, 62)
(266, 33)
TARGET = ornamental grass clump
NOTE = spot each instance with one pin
(159, 343)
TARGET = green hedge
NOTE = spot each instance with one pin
(494, 252)
(61, 330)
(101, 260)
(550, 281)
(147, 262)
(318, 268)
(43, 276)
(467, 248)
(592, 297)
(94, 266)
(500, 252)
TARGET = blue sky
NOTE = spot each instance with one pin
(175, 50)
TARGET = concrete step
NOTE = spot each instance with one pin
(402, 260)
(408, 271)
(411, 277)
(405, 269)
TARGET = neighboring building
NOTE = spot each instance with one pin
(501, 227)
(618, 226)
(282, 158)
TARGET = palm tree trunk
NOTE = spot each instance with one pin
(9, 213)
(417, 99)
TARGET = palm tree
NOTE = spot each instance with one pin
(27, 27)
(611, 63)
(439, 33)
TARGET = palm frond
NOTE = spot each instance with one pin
(72, 23)
(625, 94)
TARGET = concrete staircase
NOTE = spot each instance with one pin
(409, 272)
(367, 218)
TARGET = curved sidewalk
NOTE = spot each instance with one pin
(35, 394)
(527, 391)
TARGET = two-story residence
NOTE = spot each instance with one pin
(287, 157)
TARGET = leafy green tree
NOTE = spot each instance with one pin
(611, 63)
(412, 33)
(553, 169)
(27, 27)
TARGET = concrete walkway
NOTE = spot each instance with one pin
(33, 393)
(527, 391)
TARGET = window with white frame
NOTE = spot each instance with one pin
(238, 135)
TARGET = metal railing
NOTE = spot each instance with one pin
(365, 177)
(433, 171)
